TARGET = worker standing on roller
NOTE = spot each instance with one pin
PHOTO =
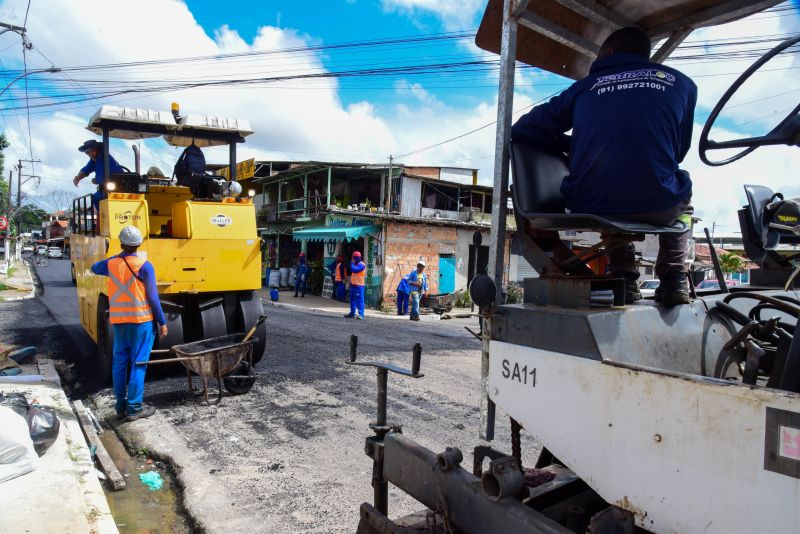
(94, 150)
(133, 304)
(358, 272)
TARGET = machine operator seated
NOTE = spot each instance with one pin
(631, 123)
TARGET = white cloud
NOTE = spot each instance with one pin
(299, 120)
(453, 15)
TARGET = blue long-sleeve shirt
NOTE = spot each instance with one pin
(631, 124)
(97, 167)
(357, 267)
(148, 275)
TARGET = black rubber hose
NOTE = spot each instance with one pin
(790, 381)
(778, 304)
(732, 312)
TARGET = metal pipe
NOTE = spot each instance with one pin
(382, 385)
(715, 260)
(353, 347)
(137, 160)
(505, 103)
(106, 148)
(232, 160)
(417, 358)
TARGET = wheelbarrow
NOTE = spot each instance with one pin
(438, 304)
(217, 358)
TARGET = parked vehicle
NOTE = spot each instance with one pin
(54, 252)
(648, 287)
(27, 249)
(41, 250)
(714, 284)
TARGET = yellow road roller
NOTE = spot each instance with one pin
(199, 231)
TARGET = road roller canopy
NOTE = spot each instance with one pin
(135, 123)
(564, 36)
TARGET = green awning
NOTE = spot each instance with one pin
(328, 233)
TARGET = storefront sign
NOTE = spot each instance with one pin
(343, 221)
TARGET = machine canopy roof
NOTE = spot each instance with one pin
(133, 123)
(563, 36)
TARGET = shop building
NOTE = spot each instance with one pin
(395, 216)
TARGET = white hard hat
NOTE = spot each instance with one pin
(235, 189)
(421, 262)
(130, 236)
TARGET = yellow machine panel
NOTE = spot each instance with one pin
(123, 209)
(213, 220)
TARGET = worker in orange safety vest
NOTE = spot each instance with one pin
(133, 304)
(358, 276)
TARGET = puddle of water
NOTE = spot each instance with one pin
(136, 509)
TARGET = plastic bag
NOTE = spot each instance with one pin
(17, 456)
(152, 480)
(43, 425)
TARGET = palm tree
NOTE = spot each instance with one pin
(730, 263)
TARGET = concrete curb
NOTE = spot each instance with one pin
(371, 314)
(31, 293)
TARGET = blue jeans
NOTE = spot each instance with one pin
(356, 300)
(402, 303)
(415, 303)
(132, 343)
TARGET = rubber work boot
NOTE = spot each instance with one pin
(146, 411)
(674, 289)
(632, 293)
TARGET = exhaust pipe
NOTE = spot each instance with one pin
(137, 160)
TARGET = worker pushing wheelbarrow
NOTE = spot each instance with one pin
(227, 359)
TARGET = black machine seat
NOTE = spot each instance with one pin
(759, 240)
(758, 197)
(537, 197)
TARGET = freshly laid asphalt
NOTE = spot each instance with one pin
(288, 456)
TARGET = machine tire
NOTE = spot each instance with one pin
(105, 340)
(248, 311)
(72, 273)
(717, 361)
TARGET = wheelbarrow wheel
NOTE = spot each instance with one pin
(240, 380)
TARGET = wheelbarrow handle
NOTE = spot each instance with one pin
(252, 331)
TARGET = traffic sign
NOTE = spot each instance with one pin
(3, 223)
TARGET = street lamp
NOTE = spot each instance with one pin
(39, 71)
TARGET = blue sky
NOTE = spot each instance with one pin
(346, 119)
(339, 21)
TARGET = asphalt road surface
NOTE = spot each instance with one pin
(288, 456)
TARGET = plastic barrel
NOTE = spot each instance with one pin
(273, 294)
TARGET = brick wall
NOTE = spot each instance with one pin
(406, 244)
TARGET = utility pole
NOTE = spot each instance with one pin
(19, 188)
(387, 200)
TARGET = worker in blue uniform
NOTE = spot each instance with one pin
(301, 276)
(133, 305)
(631, 123)
(403, 292)
(358, 272)
(339, 273)
(418, 282)
(94, 150)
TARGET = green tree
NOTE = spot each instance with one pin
(32, 217)
(4, 200)
(731, 263)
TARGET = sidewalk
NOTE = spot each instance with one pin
(63, 494)
(317, 303)
(18, 284)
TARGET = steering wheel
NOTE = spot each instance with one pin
(787, 132)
